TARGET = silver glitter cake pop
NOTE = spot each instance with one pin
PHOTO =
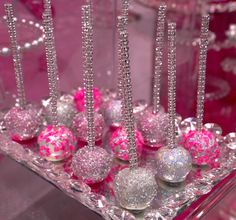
(56, 142)
(135, 187)
(173, 161)
(91, 163)
(66, 110)
(201, 143)
(23, 121)
(153, 122)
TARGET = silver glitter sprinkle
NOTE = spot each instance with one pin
(135, 189)
(173, 165)
(92, 164)
(16, 55)
(202, 70)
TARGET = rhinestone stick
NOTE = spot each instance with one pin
(48, 11)
(47, 7)
(121, 26)
(16, 55)
(87, 44)
(171, 83)
(52, 68)
(202, 70)
(158, 57)
(125, 10)
(127, 99)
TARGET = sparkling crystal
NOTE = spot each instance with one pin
(213, 128)
(135, 189)
(188, 124)
(230, 140)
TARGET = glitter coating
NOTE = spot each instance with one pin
(173, 165)
(80, 126)
(135, 189)
(108, 95)
(66, 110)
(93, 164)
(153, 127)
(56, 143)
(79, 99)
(119, 144)
(23, 124)
(202, 146)
(113, 113)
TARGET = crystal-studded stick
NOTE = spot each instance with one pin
(160, 32)
(127, 99)
(125, 10)
(47, 7)
(202, 70)
(16, 55)
(171, 83)
(51, 65)
(48, 12)
(121, 26)
(87, 45)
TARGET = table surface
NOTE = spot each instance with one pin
(26, 196)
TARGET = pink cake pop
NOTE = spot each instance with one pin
(202, 144)
(55, 142)
(120, 146)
